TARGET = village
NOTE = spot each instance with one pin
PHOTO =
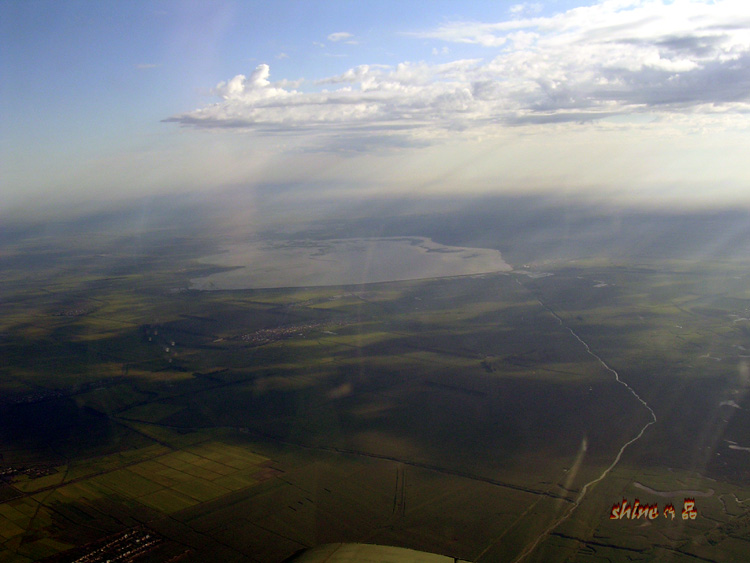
(268, 335)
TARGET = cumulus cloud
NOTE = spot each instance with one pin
(618, 57)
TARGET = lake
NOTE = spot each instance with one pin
(343, 262)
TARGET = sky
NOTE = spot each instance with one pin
(641, 102)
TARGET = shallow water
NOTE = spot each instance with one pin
(344, 261)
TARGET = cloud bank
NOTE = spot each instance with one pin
(688, 59)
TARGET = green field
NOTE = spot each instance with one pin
(459, 415)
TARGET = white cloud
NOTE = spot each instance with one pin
(526, 7)
(339, 36)
(616, 58)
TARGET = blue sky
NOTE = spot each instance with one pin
(640, 101)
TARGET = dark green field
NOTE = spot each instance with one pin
(461, 415)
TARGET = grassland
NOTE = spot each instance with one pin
(453, 415)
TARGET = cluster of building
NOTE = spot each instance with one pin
(268, 335)
(8, 473)
(78, 312)
(123, 547)
(34, 397)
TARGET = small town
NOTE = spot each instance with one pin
(124, 547)
(268, 335)
(8, 473)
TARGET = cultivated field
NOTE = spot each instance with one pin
(462, 415)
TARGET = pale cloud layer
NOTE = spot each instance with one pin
(618, 58)
(525, 8)
(339, 36)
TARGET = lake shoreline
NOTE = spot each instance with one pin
(335, 262)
